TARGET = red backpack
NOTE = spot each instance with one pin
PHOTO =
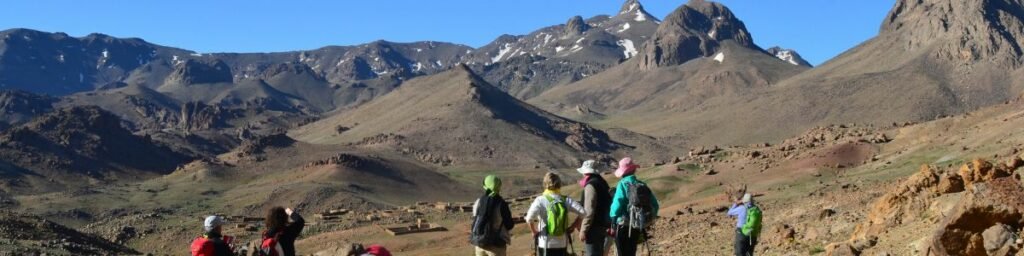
(270, 246)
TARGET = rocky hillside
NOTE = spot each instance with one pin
(527, 65)
(464, 121)
(30, 235)
(60, 149)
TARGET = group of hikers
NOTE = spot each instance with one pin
(622, 215)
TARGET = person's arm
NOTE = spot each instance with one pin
(506, 216)
(576, 207)
(590, 198)
(618, 203)
(532, 216)
(295, 228)
(735, 210)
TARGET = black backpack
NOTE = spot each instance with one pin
(484, 234)
(640, 212)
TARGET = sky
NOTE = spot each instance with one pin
(817, 29)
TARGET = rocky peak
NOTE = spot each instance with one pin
(635, 9)
(969, 31)
(200, 72)
(576, 26)
(291, 68)
(693, 30)
(788, 55)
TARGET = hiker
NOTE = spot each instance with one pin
(279, 238)
(634, 208)
(597, 201)
(372, 250)
(492, 220)
(548, 218)
(748, 224)
(212, 243)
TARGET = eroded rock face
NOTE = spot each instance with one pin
(576, 26)
(979, 222)
(693, 30)
(987, 30)
(902, 204)
(200, 72)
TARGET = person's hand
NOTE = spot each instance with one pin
(288, 211)
(611, 232)
(583, 236)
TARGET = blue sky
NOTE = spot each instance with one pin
(818, 29)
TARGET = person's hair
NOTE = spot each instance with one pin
(552, 181)
(276, 219)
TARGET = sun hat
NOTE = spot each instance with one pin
(747, 198)
(212, 222)
(587, 168)
(626, 167)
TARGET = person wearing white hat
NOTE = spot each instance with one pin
(597, 200)
(748, 224)
(212, 242)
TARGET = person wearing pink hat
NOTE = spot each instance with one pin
(633, 209)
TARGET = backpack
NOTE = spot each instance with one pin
(269, 246)
(557, 221)
(640, 212)
(483, 233)
(752, 226)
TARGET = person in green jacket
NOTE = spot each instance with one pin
(627, 235)
(748, 225)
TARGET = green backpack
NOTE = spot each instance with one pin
(557, 218)
(752, 227)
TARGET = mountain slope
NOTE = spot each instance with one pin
(60, 149)
(528, 65)
(462, 121)
(701, 54)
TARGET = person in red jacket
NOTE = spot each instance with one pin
(212, 243)
(372, 250)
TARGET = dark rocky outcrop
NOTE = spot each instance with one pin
(200, 72)
(693, 30)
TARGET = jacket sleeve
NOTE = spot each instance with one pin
(295, 228)
(735, 210)
(618, 203)
(589, 198)
(506, 217)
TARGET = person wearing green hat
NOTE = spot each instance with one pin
(492, 220)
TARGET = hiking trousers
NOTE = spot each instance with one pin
(744, 244)
(551, 252)
(625, 244)
(599, 248)
(490, 251)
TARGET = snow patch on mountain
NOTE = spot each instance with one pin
(720, 57)
(629, 49)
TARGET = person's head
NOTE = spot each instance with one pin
(587, 168)
(276, 218)
(492, 184)
(356, 250)
(747, 199)
(213, 224)
(552, 181)
(626, 167)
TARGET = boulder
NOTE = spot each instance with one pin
(980, 170)
(984, 205)
(998, 239)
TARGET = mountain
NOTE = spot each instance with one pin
(18, 107)
(930, 59)
(528, 65)
(788, 55)
(700, 54)
(464, 121)
(65, 148)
